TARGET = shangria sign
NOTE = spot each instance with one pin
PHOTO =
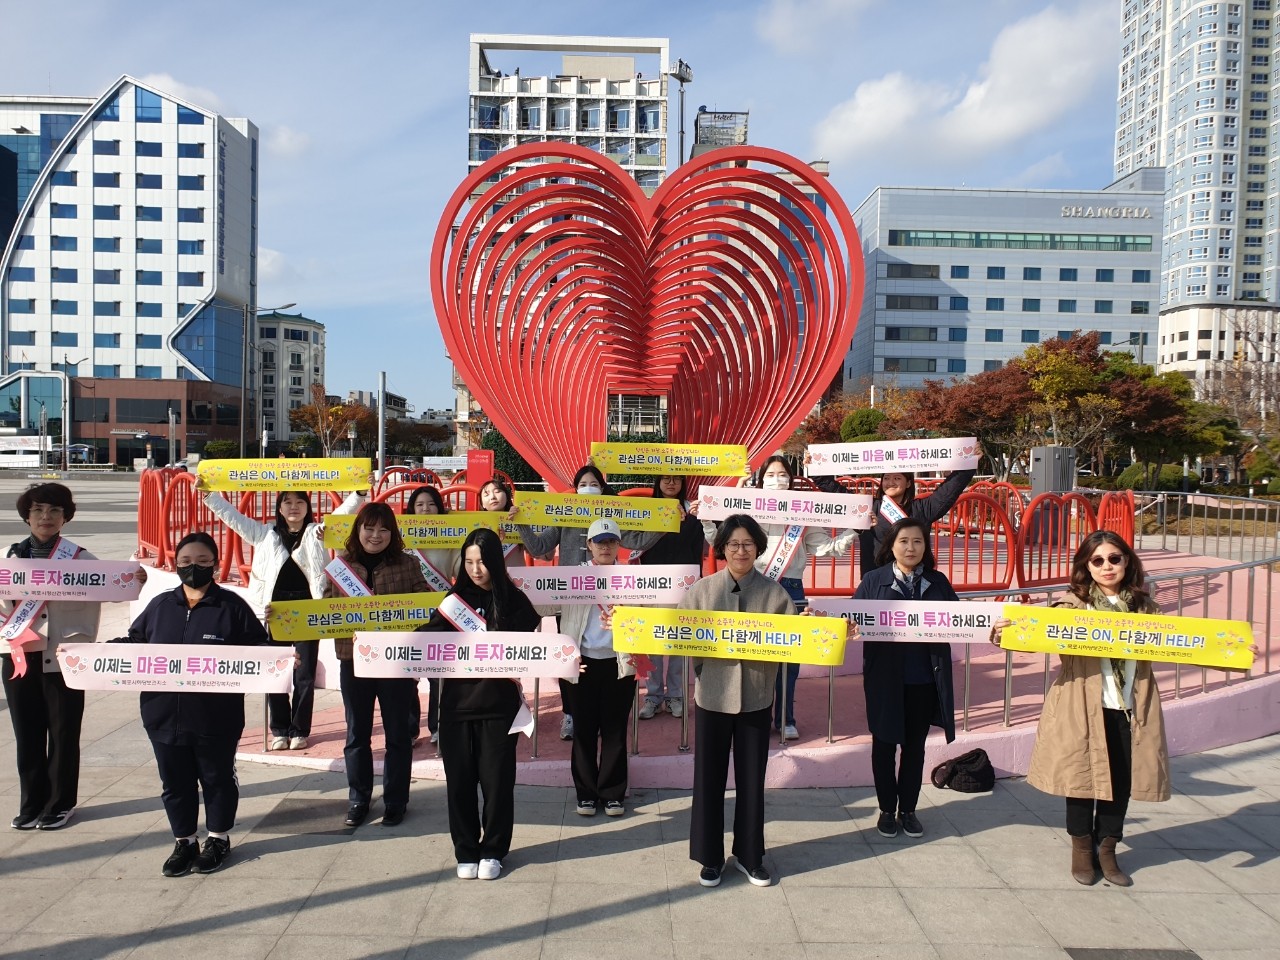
(1111, 213)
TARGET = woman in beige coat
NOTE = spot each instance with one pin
(1101, 736)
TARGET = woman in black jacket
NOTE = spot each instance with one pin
(194, 735)
(686, 545)
(908, 685)
(476, 742)
(896, 499)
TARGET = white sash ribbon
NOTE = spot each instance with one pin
(346, 579)
(783, 552)
(890, 510)
(436, 579)
(467, 619)
(16, 629)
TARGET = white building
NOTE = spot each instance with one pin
(291, 359)
(600, 98)
(1197, 94)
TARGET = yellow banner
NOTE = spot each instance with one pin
(420, 531)
(689, 459)
(332, 473)
(737, 636)
(341, 617)
(581, 510)
(1128, 636)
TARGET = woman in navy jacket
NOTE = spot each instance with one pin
(908, 685)
(194, 735)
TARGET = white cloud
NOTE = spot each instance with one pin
(198, 96)
(1043, 172)
(1039, 68)
(285, 142)
(799, 26)
(274, 268)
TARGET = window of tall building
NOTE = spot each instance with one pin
(955, 365)
(191, 150)
(22, 338)
(994, 336)
(995, 273)
(106, 244)
(1030, 304)
(106, 276)
(959, 271)
(1030, 336)
(995, 303)
(148, 148)
(188, 116)
(910, 365)
(958, 334)
(1102, 306)
(1068, 273)
(912, 271)
(1104, 275)
(148, 341)
(959, 303)
(895, 301)
(106, 308)
(64, 211)
(106, 148)
(1030, 273)
(988, 365)
(890, 333)
(149, 181)
(1066, 306)
(148, 245)
(147, 106)
(145, 309)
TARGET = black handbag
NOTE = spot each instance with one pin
(968, 773)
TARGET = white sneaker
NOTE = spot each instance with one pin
(468, 871)
(279, 743)
(789, 732)
(490, 869)
(676, 707)
(648, 708)
(298, 743)
(566, 728)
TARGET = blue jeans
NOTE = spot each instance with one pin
(673, 689)
(795, 590)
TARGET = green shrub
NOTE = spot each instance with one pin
(861, 426)
(219, 449)
(1134, 477)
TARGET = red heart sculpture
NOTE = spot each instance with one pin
(733, 292)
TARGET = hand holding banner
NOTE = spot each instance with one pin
(672, 459)
(894, 456)
(785, 638)
(175, 667)
(844, 511)
(1070, 631)
(476, 656)
(423, 531)
(341, 617)
(331, 473)
(918, 621)
(580, 510)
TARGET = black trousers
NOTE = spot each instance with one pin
(901, 791)
(295, 721)
(46, 716)
(479, 753)
(1105, 818)
(188, 771)
(746, 735)
(566, 697)
(433, 706)
(601, 704)
(394, 698)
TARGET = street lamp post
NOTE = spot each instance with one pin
(681, 73)
(1138, 340)
(351, 439)
(244, 361)
(66, 406)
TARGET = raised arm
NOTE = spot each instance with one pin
(936, 505)
(248, 529)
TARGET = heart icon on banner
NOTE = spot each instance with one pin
(733, 293)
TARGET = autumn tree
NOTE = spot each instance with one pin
(327, 422)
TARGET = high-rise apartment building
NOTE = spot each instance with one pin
(609, 94)
(133, 256)
(31, 128)
(1198, 97)
(290, 359)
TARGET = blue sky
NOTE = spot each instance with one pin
(363, 108)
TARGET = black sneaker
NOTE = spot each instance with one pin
(887, 825)
(393, 816)
(586, 808)
(24, 822)
(710, 876)
(180, 861)
(54, 821)
(911, 824)
(759, 877)
(356, 814)
(614, 808)
(213, 855)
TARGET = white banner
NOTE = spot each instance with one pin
(175, 667)
(843, 511)
(469, 655)
(893, 456)
(639, 585)
(919, 621)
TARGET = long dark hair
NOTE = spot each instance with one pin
(884, 552)
(907, 496)
(431, 492)
(1134, 579)
(370, 514)
(786, 465)
(500, 484)
(282, 528)
(681, 494)
(500, 584)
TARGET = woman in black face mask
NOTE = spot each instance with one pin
(194, 735)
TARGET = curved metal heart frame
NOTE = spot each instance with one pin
(734, 292)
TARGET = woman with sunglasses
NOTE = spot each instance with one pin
(1101, 740)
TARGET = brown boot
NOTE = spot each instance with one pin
(1110, 869)
(1082, 861)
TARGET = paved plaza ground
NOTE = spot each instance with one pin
(988, 881)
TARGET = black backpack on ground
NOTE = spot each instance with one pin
(968, 773)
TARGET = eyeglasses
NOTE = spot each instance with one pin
(733, 546)
(1114, 559)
